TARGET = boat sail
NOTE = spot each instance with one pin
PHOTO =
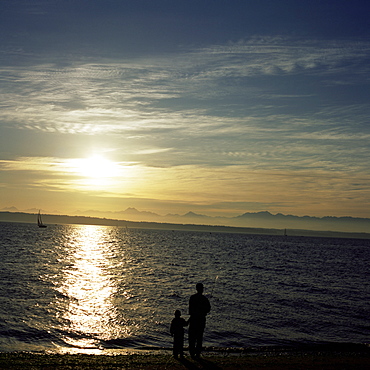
(39, 221)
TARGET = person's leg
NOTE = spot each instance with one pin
(174, 347)
(178, 345)
(181, 348)
(199, 341)
(192, 340)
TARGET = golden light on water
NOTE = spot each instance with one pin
(90, 289)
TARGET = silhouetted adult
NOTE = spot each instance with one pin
(199, 307)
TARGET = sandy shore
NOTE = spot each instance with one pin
(351, 358)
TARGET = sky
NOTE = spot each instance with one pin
(216, 107)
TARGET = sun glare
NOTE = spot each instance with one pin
(97, 167)
(96, 170)
(97, 173)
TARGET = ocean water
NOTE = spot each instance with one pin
(93, 289)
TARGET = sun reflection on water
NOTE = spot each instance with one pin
(90, 287)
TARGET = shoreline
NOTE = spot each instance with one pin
(326, 356)
(21, 217)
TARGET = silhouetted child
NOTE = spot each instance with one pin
(177, 331)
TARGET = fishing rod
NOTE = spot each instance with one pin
(214, 284)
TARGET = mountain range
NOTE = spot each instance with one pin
(263, 219)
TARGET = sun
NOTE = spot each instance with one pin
(96, 171)
(97, 167)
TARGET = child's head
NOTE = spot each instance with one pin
(177, 313)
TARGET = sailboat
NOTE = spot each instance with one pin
(39, 221)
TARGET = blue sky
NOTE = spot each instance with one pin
(217, 107)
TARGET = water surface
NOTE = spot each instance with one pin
(81, 288)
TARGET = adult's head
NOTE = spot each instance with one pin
(200, 288)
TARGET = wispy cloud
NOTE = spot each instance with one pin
(262, 116)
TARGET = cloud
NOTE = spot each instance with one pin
(262, 103)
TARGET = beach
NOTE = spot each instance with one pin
(323, 357)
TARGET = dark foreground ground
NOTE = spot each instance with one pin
(351, 357)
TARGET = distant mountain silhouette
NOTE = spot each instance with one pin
(134, 211)
(347, 224)
(262, 219)
(192, 214)
(10, 209)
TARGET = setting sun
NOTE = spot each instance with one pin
(96, 170)
(97, 167)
